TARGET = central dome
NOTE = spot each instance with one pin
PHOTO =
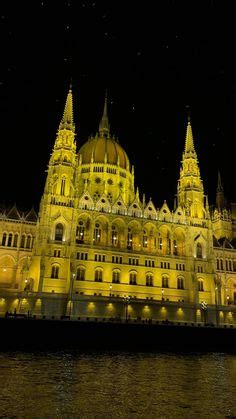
(103, 148)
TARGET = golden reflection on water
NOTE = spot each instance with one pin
(107, 385)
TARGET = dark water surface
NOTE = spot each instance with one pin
(68, 384)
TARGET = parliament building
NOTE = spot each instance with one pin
(96, 249)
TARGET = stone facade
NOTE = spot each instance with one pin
(96, 241)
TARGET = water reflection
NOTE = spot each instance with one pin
(107, 385)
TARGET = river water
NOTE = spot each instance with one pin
(70, 384)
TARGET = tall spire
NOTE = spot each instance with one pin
(220, 198)
(189, 145)
(67, 119)
(219, 183)
(104, 127)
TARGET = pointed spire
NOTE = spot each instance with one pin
(189, 145)
(220, 198)
(67, 119)
(104, 127)
(219, 183)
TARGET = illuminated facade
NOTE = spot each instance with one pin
(95, 241)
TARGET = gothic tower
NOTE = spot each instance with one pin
(55, 222)
(190, 194)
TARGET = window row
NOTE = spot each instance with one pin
(116, 277)
(14, 240)
(227, 265)
(165, 245)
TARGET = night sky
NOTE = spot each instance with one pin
(156, 58)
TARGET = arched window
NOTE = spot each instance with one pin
(221, 265)
(168, 244)
(129, 239)
(217, 264)
(22, 243)
(199, 250)
(59, 232)
(180, 283)
(133, 278)
(165, 282)
(80, 232)
(4, 239)
(145, 239)
(226, 265)
(80, 274)
(15, 243)
(97, 233)
(116, 277)
(28, 241)
(55, 272)
(175, 250)
(98, 275)
(200, 285)
(10, 237)
(234, 266)
(114, 236)
(160, 242)
(149, 280)
(230, 265)
(63, 186)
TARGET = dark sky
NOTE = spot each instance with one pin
(154, 57)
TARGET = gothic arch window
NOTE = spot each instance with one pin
(97, 233)
(217, 264)
(55, 272)
(160, 243)
(80, 232)
(114, 236)
(175, 249)
(199, 250)
(165, 282)
(180, 283)
(59, 232)
(221, 265)
(28, 242)
(200, 285)
(80, 273)
(230, 265)
(63, 186)
(226, 265)
(149, 280)
(116, 277)
(133, 278)
(98, 275)
(168, 244)
(145, 239)
(9, 242)
(4, 239)
(22, 243)
(129, 239)
(15, 242)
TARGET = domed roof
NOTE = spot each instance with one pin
(101, 148)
